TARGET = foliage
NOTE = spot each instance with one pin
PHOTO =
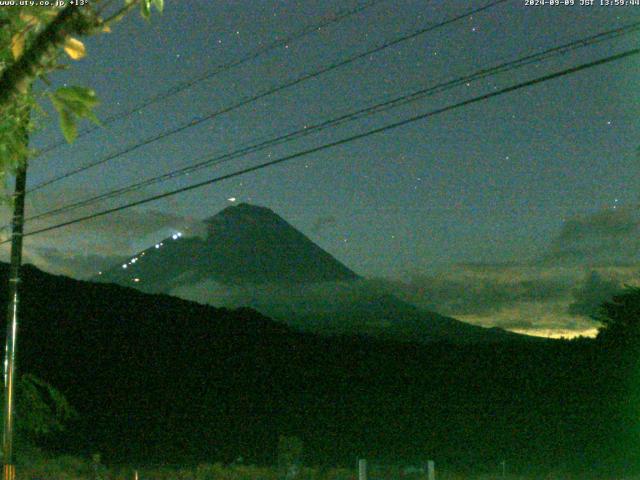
(62, 468)
(68, 468)
(290, 451)
(620, 318)
(159, 379)
(71, 103)
(41, 409)
(33, 41)
(145, 7)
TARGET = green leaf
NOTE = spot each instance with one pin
(92, 117)
(68, 125)
(158, 4)
(83, 96)
(72, 103)
(145, 9)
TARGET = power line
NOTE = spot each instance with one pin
(266, 93)
(307, 130)
(182, 86)
(359, 136)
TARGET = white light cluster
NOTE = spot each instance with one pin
(175, 236)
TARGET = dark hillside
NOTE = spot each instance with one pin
(157, 378)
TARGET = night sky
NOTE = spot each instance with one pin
(518, 211)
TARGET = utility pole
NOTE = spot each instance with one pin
(17, 225)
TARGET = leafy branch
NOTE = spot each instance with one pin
(31, 41)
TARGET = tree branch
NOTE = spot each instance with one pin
(116, 17)
(17, 78)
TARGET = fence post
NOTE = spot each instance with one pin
(431, 470)
(362, 469)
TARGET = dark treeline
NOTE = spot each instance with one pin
(158, 379)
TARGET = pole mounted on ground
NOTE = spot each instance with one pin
(17, 226)
(15, 80)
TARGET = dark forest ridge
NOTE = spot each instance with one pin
(157, 378)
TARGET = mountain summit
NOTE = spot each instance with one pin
(244, 245)
(251, 257)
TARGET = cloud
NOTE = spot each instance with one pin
(609, 237)
(592, 293)
(84, 248)
(70, 264)
(519, 325)
(532, 299)
(322, 295)
(589, 259)
(465, 290)
(585, 263)
(520, 298)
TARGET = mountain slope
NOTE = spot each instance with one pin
(252, 257)
(346, 308)
(245, 244)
